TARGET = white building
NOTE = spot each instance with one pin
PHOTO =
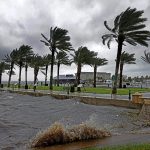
(100, 76)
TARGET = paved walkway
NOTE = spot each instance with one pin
(82, 94)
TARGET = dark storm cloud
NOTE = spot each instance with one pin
(23, 22)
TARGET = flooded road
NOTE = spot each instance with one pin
(23, 116)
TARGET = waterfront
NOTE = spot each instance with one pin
(23, 116)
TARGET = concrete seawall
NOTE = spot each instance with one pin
(86, 99)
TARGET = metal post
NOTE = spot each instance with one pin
(129, 94)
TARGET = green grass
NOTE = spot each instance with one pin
(123, 91)
(125, 147)
(98, 90)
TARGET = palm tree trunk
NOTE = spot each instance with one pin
(36, 70)
(0, 79)
(51, 73)
(78, 73)
(121, 70)
(120, 43)
(26, 69)
(10, 73)
(95, 70)
(46, 69)
(20, 69)
(58, 67)
(78, 76)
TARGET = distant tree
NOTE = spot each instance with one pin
(146, 58)
(127, 28)
(130, 79)
(81, 57)
(58, 40)
(46, 63)
(11, 58)
(3, 66)
(24, 53)
(126, 58)
(61, 58)
(36, 63)
(96, 62)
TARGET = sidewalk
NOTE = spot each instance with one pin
(82, 94)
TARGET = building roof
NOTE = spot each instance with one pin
(66, 77)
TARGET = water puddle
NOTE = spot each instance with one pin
(108, 141)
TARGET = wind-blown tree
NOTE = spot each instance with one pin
(128, 27)
(11, 58)
(58, 40)
(61, 58)
(36, 63)
(126, 58)
(24, 53)
(95, 63)
(46, 63)
(146, 58)
(3, 66)
(81, 57)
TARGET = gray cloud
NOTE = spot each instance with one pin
(23, 22)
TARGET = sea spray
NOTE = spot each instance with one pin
(58, 134)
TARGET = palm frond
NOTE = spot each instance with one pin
(146, 58)
(45, 37)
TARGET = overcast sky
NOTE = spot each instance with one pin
(23, 21)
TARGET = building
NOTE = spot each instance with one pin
(63, 79)
(100, 76)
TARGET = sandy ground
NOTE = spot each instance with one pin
(22, 116)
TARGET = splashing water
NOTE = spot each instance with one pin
(58, 134)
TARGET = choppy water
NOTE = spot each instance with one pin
(22, 116)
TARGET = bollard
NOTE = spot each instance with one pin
(129, 94)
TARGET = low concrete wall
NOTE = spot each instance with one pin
(112, 102)
(86, 99)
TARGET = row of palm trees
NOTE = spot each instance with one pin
(24, 57)
(128, 27)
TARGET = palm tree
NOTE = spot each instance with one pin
(3, 67)
(46, 63)
(11, 58)
(127, 28)
(61, 58)
(146, 58)
(24, 53)
(81, 57)
(58, 40)
(95, 63)
(126, 58)
(36, 63)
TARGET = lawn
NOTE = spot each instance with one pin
(123, 91)
(125, 147)
(98, 90)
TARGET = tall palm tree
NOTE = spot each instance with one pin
(58, 40)
(126, 58)
(146, 58)
(24, 53)
(3, 67)
(95, 63)
(81, 57)
(36, 63)
(127, 28)
(61, 58)
(11, 58)
(46, 63)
